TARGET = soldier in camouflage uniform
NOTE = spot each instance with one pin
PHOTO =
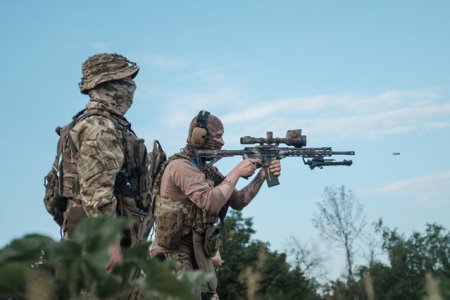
(105, 173)
(190, 199)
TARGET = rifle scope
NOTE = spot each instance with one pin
(293, 137)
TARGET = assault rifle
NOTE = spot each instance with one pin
(269, 150)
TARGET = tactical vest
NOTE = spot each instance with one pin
(62, 182)
(176, 219)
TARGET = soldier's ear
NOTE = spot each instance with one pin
(198, 137)
(200, 133)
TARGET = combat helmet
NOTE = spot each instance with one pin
(104, 67)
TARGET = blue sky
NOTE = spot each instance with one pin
(368, 76)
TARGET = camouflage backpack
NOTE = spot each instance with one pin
(61, 182)
(58, 187)
(157, 161)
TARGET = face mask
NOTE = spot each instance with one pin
(117, 95)
(212, 144)
(215, 129)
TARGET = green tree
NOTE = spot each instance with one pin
(413, 262)
(236, 242)
(280, 281)
(252, 271)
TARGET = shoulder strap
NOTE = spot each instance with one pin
(59, 147)
(83, 114)
(157, 176)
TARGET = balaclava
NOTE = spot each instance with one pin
(116, 95)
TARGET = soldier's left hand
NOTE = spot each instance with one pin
(115, 256)
(275, 167)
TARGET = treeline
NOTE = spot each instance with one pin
(397, 267)
(414, 268)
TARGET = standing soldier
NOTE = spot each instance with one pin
(103, 170)
(190, 199)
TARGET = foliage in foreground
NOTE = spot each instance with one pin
(417, 268)
(28, 266)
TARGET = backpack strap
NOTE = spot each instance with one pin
(60, 145)
(157, 174)
(119, 123)
(59, 148)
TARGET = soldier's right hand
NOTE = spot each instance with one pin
(247, 167)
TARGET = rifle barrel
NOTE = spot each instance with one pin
(343, 153)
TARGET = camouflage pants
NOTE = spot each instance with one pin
(73, 215)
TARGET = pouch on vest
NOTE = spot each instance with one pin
(55, 200)
(212, 241)
(169, 224)
(132, 180)
(72, 217)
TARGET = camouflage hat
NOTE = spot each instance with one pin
(104, 67)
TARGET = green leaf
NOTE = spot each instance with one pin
(96, 233)
(29, 248)
(12, 278)
(159, 280)
(66, 250)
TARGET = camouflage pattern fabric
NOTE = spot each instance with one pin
(115, 96)
(105, 67)
(182, 178)
(99, 159)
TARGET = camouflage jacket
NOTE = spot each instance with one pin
(108, 164)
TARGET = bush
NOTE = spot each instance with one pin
(37, 267)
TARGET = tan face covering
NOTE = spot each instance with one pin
(117, 95)
(214, 128)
